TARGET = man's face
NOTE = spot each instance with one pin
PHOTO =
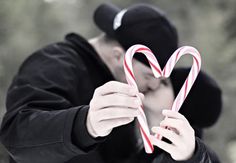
(144, 77)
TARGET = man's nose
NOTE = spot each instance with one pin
(153, 84)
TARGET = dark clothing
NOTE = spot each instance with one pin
(47, 105)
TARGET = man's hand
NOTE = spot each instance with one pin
(113, 104)
(177, 129)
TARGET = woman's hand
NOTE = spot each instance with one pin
(176, 128)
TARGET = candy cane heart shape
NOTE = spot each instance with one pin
(143, 125)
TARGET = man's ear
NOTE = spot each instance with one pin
(118, 54)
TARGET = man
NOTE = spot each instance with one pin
(64, 104)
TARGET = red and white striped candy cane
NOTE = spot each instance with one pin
(196, 66)
(143, 126)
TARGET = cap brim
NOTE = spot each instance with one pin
(104, 16)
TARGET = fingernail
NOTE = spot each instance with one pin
(137, 101)
(141, 95)
(164, 111)
(154, 129)
(140, 101)
(161, 123)
(137, 112)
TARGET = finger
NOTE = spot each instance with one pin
(112, 123)
(177, 124)
(170, 135)
(141, 96)
(117, 100)
(154, 129)
(116, 87)
(163, 145)
(173, 114)
(116, 112)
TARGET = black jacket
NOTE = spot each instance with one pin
(47, 105)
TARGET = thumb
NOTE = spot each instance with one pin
(141, 96)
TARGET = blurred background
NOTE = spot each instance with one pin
(210, 26)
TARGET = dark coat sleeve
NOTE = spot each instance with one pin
(202, 154)
(42, 103)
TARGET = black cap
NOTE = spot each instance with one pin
(139, 24)
(203, 104)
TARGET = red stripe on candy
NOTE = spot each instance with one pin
(146, 138)
(186, 87)
(130, 72)
(140, 49)
(154, 66)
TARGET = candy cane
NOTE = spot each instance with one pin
(143, 125)
(196, 66)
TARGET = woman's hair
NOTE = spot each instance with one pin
(202, 106)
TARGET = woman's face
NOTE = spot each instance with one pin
(157, 100)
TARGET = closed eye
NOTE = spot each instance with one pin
(148, 76)
(165, 82)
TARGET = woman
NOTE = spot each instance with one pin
(201, 109)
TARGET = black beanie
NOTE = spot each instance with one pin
(139, 24)
(203, 104)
